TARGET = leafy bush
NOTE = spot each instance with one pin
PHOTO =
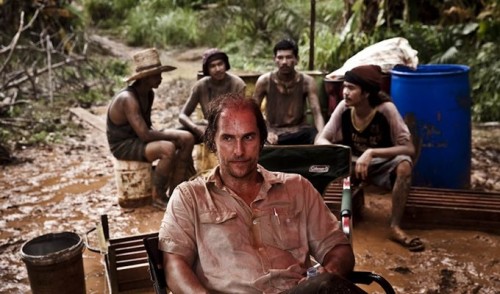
(247, 29)
(485, 74)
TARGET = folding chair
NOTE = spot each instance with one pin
(155, 257)
(320, 165)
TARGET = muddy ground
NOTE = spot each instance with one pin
(67, 187)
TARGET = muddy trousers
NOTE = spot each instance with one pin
(326, 283)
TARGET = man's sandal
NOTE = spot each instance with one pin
(413, 244)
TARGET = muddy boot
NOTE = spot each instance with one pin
(160, 185)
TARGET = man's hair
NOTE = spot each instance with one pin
(237, 102)
(287, 44)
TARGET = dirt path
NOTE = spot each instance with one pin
(67, 187)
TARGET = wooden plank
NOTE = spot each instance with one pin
(131, 259)
(429, 208)
(92, 119)
(111, 271)
(133, 272)
(134, 277)
(333, 199)
(134, 238)
(432, 218)
(127, 266)
(141, 260)
(125, 249)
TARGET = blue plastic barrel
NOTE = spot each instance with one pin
(435, 102)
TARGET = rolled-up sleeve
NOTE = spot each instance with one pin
(323, 228)
(177, 231)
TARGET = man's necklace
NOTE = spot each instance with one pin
(360, 124)
(287, 86)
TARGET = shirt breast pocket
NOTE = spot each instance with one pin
(280, 228)
(219, 228)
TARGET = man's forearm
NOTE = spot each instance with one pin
(340, 260)
(187, 122)
(179, 275)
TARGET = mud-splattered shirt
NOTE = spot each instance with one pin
(387, 128)
(261, 248)
(204, 91)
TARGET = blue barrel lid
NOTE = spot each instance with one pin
(430, 70)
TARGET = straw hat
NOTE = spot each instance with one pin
(147, 62)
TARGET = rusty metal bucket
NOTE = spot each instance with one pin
(54, 263)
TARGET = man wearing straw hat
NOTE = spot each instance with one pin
(130, 133)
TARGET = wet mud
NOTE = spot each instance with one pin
(68, 187)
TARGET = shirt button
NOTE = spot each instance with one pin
(255, 222)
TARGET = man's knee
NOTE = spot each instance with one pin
(188, 139)
(404, 169)
(164, 150)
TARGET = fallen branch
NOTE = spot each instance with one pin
(14, 41)
(35, 73)
(49, 66)
(15, 122)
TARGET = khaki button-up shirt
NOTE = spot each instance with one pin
(261, 248)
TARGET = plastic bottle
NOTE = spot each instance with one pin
(312, 271)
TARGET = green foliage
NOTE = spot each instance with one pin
(247, 30)
(253, 26)
(179, 27)
(485, 74)
(158, 23)
(324, 56)
(107, 13)
(473, 43)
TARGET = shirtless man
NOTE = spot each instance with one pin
(216, 81)
(130, 133)
(286, 91)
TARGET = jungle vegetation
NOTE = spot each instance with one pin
(47, 63)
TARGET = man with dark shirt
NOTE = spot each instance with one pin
(288, 93)
(368, 122)
(130, 133)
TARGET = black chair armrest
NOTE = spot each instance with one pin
(366, 278)
(155, 258)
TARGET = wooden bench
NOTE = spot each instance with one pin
(431, 208)
(127, 264)
(333, 199)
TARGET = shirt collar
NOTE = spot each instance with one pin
(270, 178)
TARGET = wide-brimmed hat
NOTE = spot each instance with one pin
(147, 62)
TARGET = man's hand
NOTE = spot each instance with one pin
(361, 168)
(272, 138)
(199, 131)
